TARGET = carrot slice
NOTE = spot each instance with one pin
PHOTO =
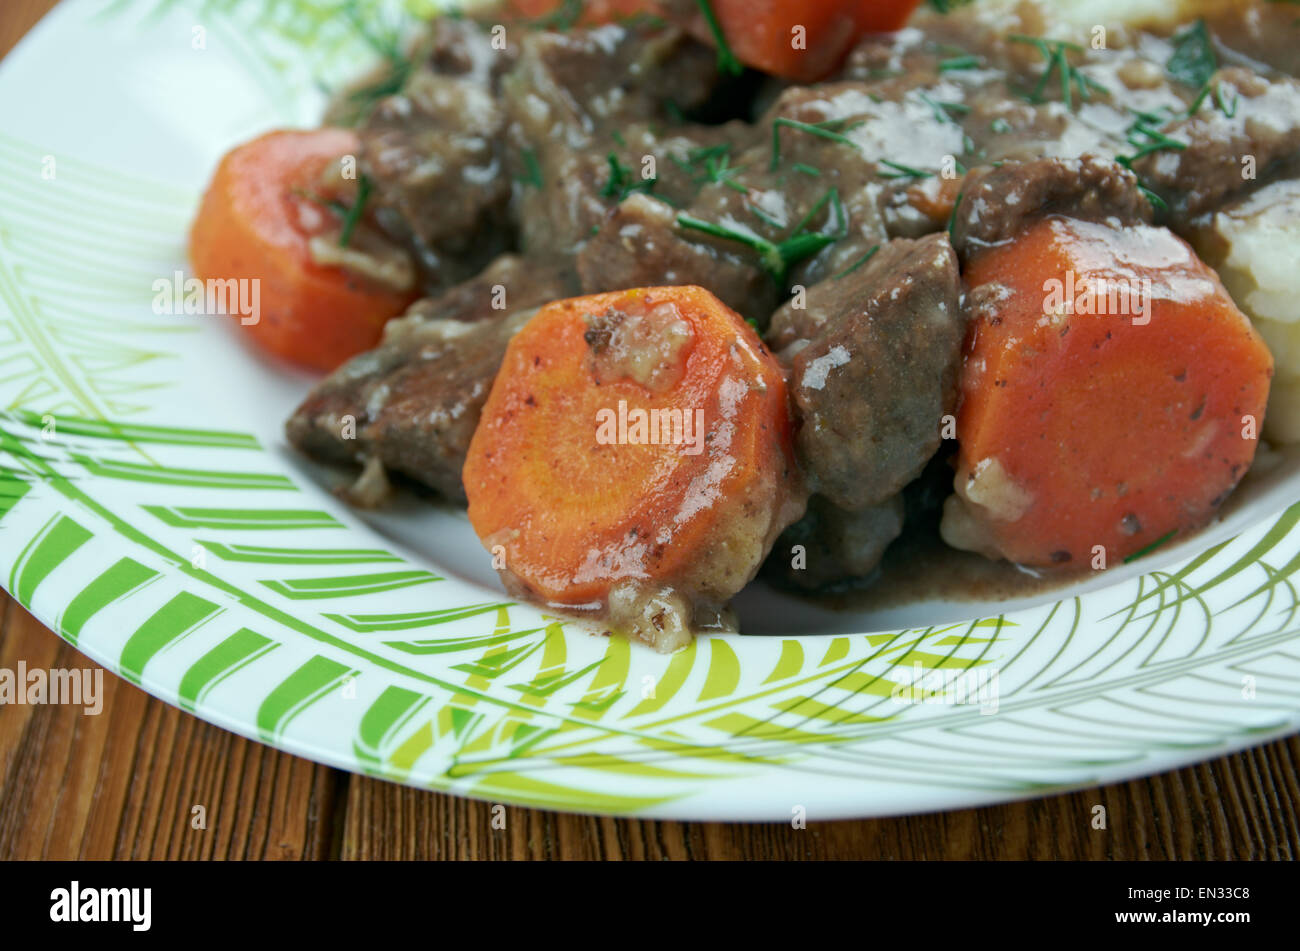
(802, 40)
(254, 223)
(1111, 396)
(637, 438)
(884, 16)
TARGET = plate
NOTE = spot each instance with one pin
(152, 515)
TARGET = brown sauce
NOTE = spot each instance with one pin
(919, 567)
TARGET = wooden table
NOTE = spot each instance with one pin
(123, 785)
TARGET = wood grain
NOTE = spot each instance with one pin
(125, 785)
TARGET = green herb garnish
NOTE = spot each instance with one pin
(944, 111)
(1193, 61)
(778, 257)
(1216, 90)
(1150, 548)
(857, 264)
(562, 18)
(532, 169)
(1055, 54)
(623, 181)
(728, 65)
(711, 165)
(903, 171)
(1156, 201)
(339, 209)
(1147, 140)
(355, 212)
(763, 216)
(820, 129)
(831, 194)
(386, 40)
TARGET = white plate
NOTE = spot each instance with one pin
(153, 516)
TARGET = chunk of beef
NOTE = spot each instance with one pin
(585, 81)
(830, 545)
(508, 283)
(819, 186)
(640, 245)
(576, 190)
(1262, 34)
(565, 100)
(1257, 128)
(873, 369)
(793, 186)
(983, 112)
(434, 154)
(414, 401)
(998, 204)
(1006, 104)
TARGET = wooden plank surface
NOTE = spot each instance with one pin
(143, 780)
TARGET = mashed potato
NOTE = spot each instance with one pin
(1255, 246)
(1064, 18)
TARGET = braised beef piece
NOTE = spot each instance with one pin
(507, 284)
(434, 153)
(809, 186)
(983, 111)
(998, 204)
(998, 107)
(1245, 134)
(640, 245)
(567, 101)
(873, 363)
(930, 122)
(1262, 36)
(414, 401)
(635, 191)
(794, 185)
(842, 547)
(830, 545)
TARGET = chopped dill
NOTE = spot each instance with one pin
(355, 212)
(857, 264)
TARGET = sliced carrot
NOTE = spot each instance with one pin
(254, 223)
(884, 16)
(802, 40)
(580, 498)
(1117, 423)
